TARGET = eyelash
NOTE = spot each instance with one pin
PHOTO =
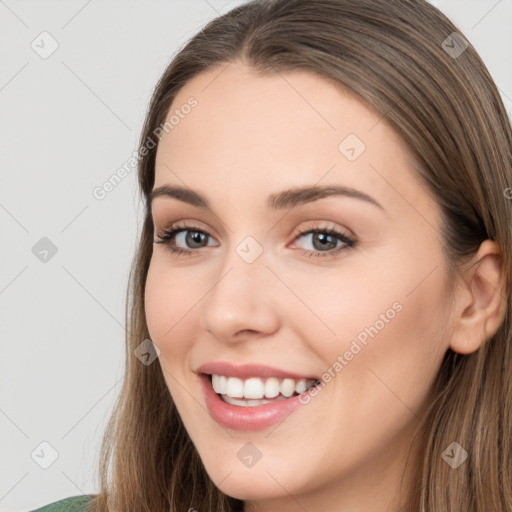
(168, 235)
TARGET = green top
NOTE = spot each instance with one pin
(71, 504)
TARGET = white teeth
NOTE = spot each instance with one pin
(219, 383)
(288, 387)
(235, 387)
(215, 383)
(248, 403)
(223, 384)
(271, 387)
(300, 387)
(255, 389)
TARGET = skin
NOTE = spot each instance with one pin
(251, 136)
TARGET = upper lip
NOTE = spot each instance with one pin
(246, 371)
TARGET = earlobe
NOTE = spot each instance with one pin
(483, 304)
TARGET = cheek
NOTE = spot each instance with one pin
(169, 305)
(380, 327)
(339, 306)
(393, 348)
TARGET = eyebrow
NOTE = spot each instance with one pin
(281, 200)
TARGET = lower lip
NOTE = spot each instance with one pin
(238, 417)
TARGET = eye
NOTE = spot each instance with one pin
(192, 237)
(324, 241)
(184, 234)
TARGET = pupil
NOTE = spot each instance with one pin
(322, 237)
(194, 237)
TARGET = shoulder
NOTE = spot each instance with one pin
(71, 504)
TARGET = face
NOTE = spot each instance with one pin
(346, 289)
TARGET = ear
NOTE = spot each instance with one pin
(482, 300)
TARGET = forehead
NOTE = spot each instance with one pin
(255, 133)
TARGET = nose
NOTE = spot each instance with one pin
(240, 303)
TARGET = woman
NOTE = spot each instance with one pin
(269, 371)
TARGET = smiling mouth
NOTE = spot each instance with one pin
(256, 391)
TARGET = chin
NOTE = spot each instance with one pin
(269, 478)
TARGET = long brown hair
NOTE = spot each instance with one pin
(395, 57)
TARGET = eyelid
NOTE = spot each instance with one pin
(185, 224)
(320, 225)
(311, 225)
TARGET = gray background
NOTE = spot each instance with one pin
(67, 123)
